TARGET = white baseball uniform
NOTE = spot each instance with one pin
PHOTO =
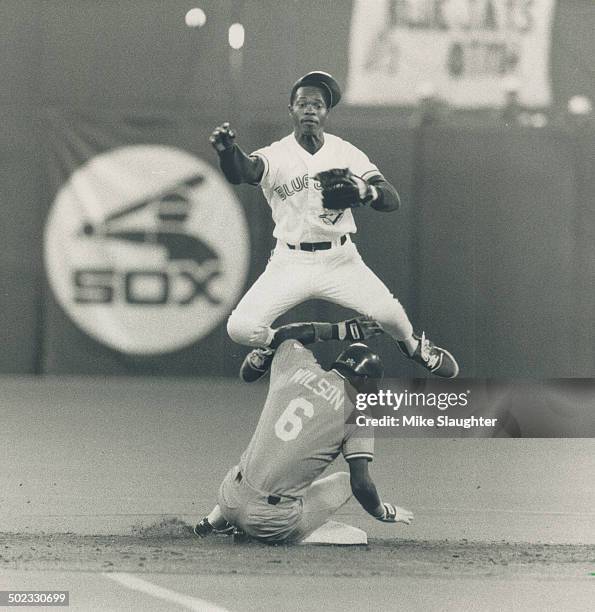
(292, 276)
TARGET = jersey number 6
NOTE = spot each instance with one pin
(289, 424)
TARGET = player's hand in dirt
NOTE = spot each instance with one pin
(358, 329)
(222, 137)
(395, 514)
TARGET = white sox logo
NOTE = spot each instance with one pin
(146, 248)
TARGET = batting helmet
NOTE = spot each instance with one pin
(322, 80)
(357, 360)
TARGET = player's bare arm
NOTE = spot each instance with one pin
(235, 164)
(364, 490)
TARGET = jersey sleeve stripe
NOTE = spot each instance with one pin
(358, 455)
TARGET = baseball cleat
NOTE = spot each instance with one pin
(241, 537)
(436, 360)
(204, 528)
(227, 529)
(256, 364)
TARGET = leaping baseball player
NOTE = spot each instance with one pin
(274, 494)
(312, 181)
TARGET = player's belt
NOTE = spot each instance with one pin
(316, 246)
(273, 500)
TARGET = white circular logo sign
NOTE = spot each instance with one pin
(146, 248)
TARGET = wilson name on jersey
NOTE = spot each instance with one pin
(319, 386)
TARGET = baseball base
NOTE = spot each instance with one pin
(334, 532)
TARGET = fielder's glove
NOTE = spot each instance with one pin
(342, 189)
(222, 138)
(394, 514)
(360, 328)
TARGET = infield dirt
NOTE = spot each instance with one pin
(184, 553)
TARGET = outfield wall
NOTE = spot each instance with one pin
(491, 252)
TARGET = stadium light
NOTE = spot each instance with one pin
(236, 36)
(195, 18)
(580, 105)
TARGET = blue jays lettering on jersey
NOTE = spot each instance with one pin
(295, 199)
(302, 427)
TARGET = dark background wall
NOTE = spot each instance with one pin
(491, 253)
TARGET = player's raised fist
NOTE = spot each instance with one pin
(222, 137)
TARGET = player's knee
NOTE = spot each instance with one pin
(247, 331)
(239, 328)
(386, 311)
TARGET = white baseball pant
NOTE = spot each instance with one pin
(338, 275)
(290, 519)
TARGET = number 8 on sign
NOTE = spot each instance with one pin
(289, 424)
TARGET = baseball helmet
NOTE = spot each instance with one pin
(357, 360)
(322, 80)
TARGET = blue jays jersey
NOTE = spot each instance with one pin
(295, 197)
